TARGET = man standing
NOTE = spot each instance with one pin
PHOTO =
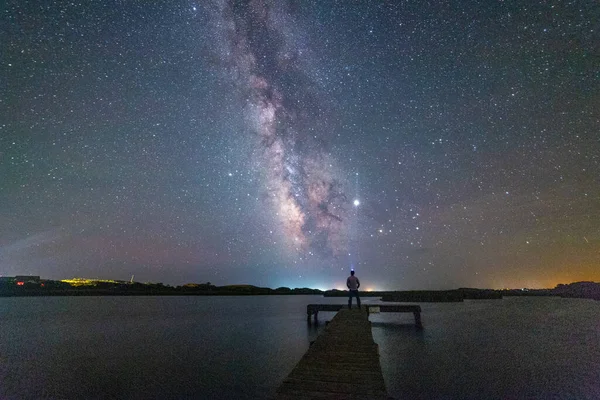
(353, 284)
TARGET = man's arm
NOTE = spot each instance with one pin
(348, 283)
(357, 283)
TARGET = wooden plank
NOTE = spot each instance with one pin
(325, 307)
(347, 376)
(365, 387)
(343, 363)
(307, 395)
(311, 308)
(399, 308)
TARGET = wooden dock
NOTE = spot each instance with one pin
(313, 310)
(343, 363)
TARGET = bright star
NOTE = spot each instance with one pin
(356, 203)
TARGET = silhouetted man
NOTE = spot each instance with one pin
(353, 284)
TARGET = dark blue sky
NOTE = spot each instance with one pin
(226, 141)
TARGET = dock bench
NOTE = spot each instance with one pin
(313, 310)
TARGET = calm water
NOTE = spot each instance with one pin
(243, 347)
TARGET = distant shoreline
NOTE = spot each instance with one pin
(589, 290)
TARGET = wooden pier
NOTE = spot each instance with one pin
(343, 363)
(313, 310)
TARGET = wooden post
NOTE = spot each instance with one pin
(418, 319)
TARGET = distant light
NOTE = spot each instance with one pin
(20, 283)
(356, 203)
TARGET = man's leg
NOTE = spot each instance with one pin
(357, 300)
(349, 298)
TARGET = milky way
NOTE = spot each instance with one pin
(282, 108)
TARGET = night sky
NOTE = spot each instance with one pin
(427, 145)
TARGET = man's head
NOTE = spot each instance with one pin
(352, 272)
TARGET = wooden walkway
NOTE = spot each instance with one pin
(343, 363)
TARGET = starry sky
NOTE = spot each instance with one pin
(427, 145)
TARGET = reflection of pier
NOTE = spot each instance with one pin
(313, 309)
(343, 363)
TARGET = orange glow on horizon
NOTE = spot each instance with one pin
(549, 282)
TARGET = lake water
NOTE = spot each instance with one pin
(243, 347)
